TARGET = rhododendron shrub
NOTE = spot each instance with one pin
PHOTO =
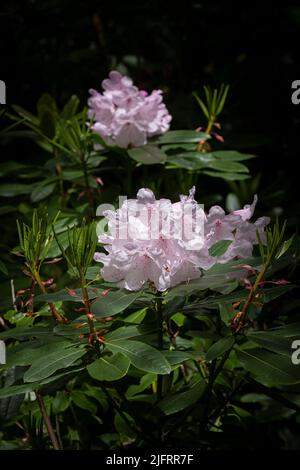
(162, 322)
(166, 244)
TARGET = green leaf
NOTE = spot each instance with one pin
(47, 113)
(3, 268)
(220, 347)
(175, 137)
(7, 209)
(25, 114)
(219, 248)
(63, 295)
(83, 401)
(142, 356)
(231, 155)
(147, 154)
(191, 160)
(114, 302)
(11, 167)
(285, 246)
(29, 331)
(291, 330)
(269, 368)
(18, 389)
(202, 105)
(146, 381)
(46, 366)
(178, 402)
(61, 401)
(15, 189)
(230, 166)
(227, 176)
(126, 431)
(272, 342)
(25, 353)
(177, 357)
(42, 192)
(109, 367)
(124, 332)
(70, 108)
(272, 293)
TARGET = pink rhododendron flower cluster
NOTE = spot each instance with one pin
(125, 116)
(167, 244)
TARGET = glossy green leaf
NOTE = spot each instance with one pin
(269, 368)
(181, 400)
(46, 365)
(231, 155)
(18, 389)
(272, 342)
(109, 368)
(142, 356)
(70, 108)
(24, 332)
(174, 137)
(227, 176)
(114, 302)
(147, 154)
(230, 166)
(219, 248)
(83, 401)
(42, 192)
(220, 347)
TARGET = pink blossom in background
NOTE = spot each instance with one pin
(167, 244)
(125, 116)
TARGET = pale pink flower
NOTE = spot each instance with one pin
(125, 116)
(167, 244)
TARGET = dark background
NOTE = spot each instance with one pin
(65, 47)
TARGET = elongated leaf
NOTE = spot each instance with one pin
(174, 137)
(148, 154)
(230, 166)
(178, 357)
(114, 302)
(26, 353)
(11, 167)
(142, 356)
(64, 295)
(191, 160)
(109, 367)
(46, 366)
(174, 403)
(83, 401)
(15, 189)
(285, 246)
(70, 108)
(124, 332)
(272, 342)
(29, 331)
(25, 114)
(18, 389)
(231, 155)
(219, 348)
(3, 268)
(42, 192)
(219, 248)
(292, 330)
(269, 368)
(227, 176)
